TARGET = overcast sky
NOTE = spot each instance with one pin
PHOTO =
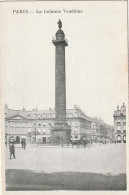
(96, 57)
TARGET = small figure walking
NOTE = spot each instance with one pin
(68, 143)
(33, 142)
(85, 143)
(6, 143)
(115, 142)
(12, 151)
(24, 144)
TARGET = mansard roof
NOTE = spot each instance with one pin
(42, 114)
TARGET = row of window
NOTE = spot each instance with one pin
(27, 131)
(70, 115)
(121, 120)
(53, 115)
(119, 112)
(18, 124)
(119, 127)
(118, 131)
(122, 123)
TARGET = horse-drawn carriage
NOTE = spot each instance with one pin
(81, 142)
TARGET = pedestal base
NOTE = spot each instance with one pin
(60, 134)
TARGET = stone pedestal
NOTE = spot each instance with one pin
(60, 133)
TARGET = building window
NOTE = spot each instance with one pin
(76, 136)
(40, 116)
(50, 116)
(75, 114)
(124, 123)
(44, 115)
(70, 115)
(11, 123)
(118, 131)
(76, 124)
(17, 139)
(44, 130)
(124, 131)
(118, 127)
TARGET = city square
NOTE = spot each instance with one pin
(100, 167)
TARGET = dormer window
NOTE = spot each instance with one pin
(70, 115)
(75, 114)
(44, 115)
(40, 116)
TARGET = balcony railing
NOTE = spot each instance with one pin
(54, 39)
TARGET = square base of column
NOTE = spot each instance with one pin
(60, 134)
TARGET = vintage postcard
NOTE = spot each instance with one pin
(64, 92)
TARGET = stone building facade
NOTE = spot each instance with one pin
(120, 124)
(95, 128)
(35, 125)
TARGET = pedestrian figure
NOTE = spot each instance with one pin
(12, 151)
(33, 142)
(85, 143)
(6, 143)
(115, 142)
(68, 143)
(73, 143)
(24, 144)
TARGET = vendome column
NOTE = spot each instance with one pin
(61, 132)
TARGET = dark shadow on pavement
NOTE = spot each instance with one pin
(27, 180)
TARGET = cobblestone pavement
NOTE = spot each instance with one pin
(104, 159)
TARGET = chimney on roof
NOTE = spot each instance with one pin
(117, 107)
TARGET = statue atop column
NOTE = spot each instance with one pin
(59, 24)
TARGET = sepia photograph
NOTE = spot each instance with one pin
(64, 81)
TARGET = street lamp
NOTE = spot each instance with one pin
(93, 136)
(62, 140)
(35, 133)
(6, 135)
(100, 137)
